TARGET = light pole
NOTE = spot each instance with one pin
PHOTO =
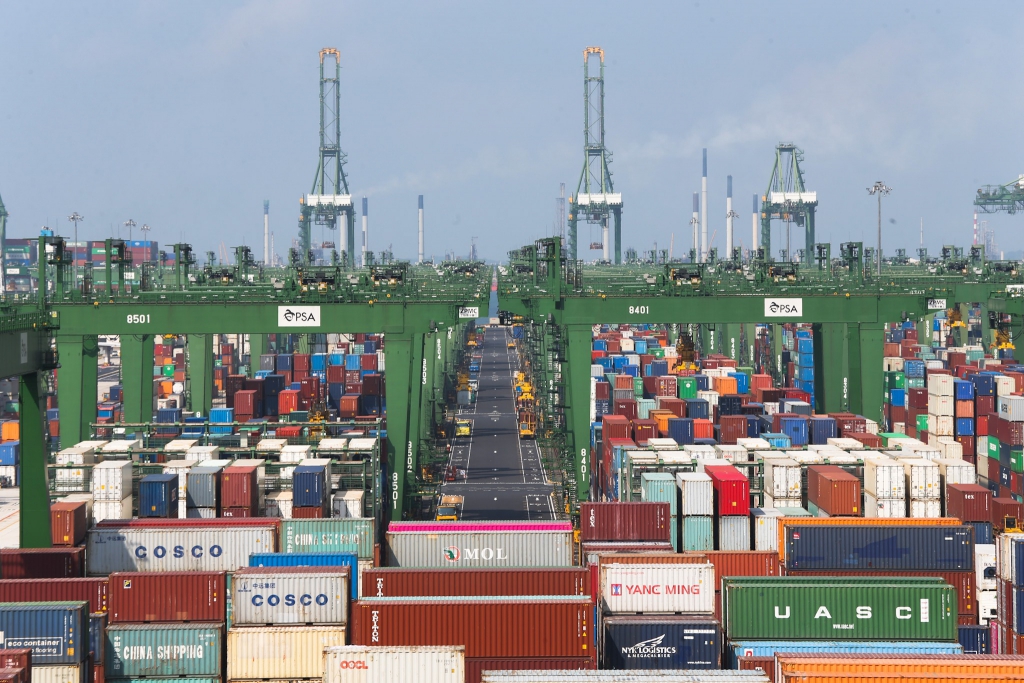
(880, 189)
(76, 218)
(129, 224)
(145, 233)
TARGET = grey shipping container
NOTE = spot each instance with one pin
(480, 549)
(662, 642)
(880, 548)
(328, 536)
(56, 632)
(212, 549)
(203, 487)
(164, 650)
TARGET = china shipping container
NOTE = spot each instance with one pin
(482, 549)
(329, 536)
(387, 582)
(834, 491)
(476, 666)
(280, 652)
(144, 597)
(164, 650)
(768, 648)
(506, 627)
(880, 548)
(625, 522)
(965, 583)
(42, 563)
(290, 595)
(57, 632)
(91, 589)
(657, 588)
(661, 642)
(411, 664)
(785, 522)
(68, 523)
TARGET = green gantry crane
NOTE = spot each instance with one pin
(1008, 198)
(788, 200)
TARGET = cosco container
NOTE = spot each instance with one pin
(93, 590)
(164, 650)
(885, 608)
(389, 582)
(312, 560)
(543, 627)
(768, 648)
(411, 664)
(484, 548)
(121, 548)
(880, 548)
(276, 652)
(696, 494)
(657, 588)
(290, 595)
(625, 521)
(56, 632)
(329, 536)
(661, 642)
(144, 597)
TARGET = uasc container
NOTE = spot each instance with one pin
(143, 597)
(880, 548)
(164, 650)
(410, 664)
(290, 595)
(56, 632)
(657, 588)
(388, 582)
(662, 642)
(280, 652)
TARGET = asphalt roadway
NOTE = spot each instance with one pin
(505, 477)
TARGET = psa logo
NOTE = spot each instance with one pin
(616, 589)
(451, 553)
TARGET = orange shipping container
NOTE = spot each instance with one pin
(10, 430)
(785, 522)
(725, 385)
(703, 429)
(809, 666)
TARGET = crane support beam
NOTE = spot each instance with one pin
(33, 495)
(200, 372)
(76, 386)
(136, 374)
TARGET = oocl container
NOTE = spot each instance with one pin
(329, 536)
(143, 597)
(657, 588)
(410, 664)
(276, 652)
(312, 560)
(635, 521)
(661, 642)
(56, 632)
(387, 582)
(290, 595)
(91, 590)
(498, 548)
(880, 548)
(164, 650)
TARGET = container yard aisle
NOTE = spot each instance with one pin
(504, 476)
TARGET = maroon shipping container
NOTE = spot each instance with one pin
(676, 405)
(590, 547)
(833, 490)
(144, 597)
(68, 523)
(383, 582)
(1004, 507)
(523, 627)
(90, 589)
(626, 407)
(239, 487)
(98, 673)
(969, 502)
(625, 522)
(740, 563)
(13, 676)
(732, 490)
(733, 427)
(963, 582)
(765, 665)
(238, 513)
(644, 430)
(1010, 433)
(373, 384)
(42, 563)
(245, 402)
(475, 666)
(17, 658)
(308, 513)
(872, 441)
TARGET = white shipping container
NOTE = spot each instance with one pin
(1006, 568)
(112, 480)
(279, 504)
(782, 477)
(940, 385)
(734, 532)
(733, 453)
(180, 445)
(988, 607)
(121, 446)
(79, 498)
(929, 508)
(181, 468)
(845, 443)
(985, 559)
(658, 588)
(922, 479)
(76, 456)
(199, 513)
(772, 502)
(69, 479)
(111, 509)
(754, 444)
(1005, 385)
(280, 652)
(939, 425)
(885, 508)
(954, 471)
(174, 549)
(410, 664)
(295, 454)
(271, 445)
(701, 452)
(941, 405)
(349, 503)
(765, 523)
(983, 466)
(697, 495)
(1010, 408)
(270, 597)
(480, 549)
(884, 478)
(203, 453)
(59, 673)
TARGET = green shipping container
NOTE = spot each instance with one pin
(169, 650)
(687, 387)
(343, 535)
(922, 422)
(993, 448)
(1017, 461)
(660, 487)
(883, 608)
(895, 380)
(168, 371)
(638, 386)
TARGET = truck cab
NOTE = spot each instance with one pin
(463, 427)
(449, 509)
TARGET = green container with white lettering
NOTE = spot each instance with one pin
(344, 535)
(164, 650)
(687, 387)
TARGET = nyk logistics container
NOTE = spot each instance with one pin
(880, 548)
(328, 536)
(494, 544)
(411, 664)
(164, 650)
(92, 589)
(280, 653)
(542, 626)
(56, 632)
(657, 588)
(389, 582)
(290, 595)
(805, 608)
(625, 521)
(195, 545)
(144, 597)
(662, 642)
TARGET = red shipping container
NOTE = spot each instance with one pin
(626, 407)
(388, 582)
(368, 361)
(98, 673)
(765, 665)
(68, 523)
(300, 361)
(145, 597)
(236, 513)
(963, 582)
(542, 628)
(17, 658)
(967, 445)
(239, 487)
(373, 384)
(14, 675)
(981, 425)
(834, 491)
(90, 589)
(627, 548)
(643, 430)
(287, 401)
(873, 441)
(287, 431)
(1005, 507)
(348, 406)
(308, 513)
(42, 563)
(741, 563)
(245, 402)
(475, 666)
(309, 387)
(336, 374)
(732, 490)
(625, 521)
(676, 405)
(602, 391)
(703, 429)
(1010, 433)
(964, 409)
(614, 427)
(917, 398)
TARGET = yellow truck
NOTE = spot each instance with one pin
(449, 509)
(463, 427)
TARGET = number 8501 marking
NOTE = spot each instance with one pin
(136, 319)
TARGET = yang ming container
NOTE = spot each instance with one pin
(57, 632)
(164, 650)
(880, 548)
(290, 595)
(275, 652)
(412, 664)
(657, 588)
(143, 597)
(329, 536)
(93, 590)
(661, 642)
(389, 582)
(312, 560)
(130, 548)
(497, 548)
(625, 522)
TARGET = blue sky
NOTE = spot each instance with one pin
(187, 115)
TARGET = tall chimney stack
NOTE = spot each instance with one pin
(753, 234)
(421, 231)
(266, 232)
(364, 232)
(696, 226)
(728, 217)
(704, 210)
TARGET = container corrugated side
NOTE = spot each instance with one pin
(786, 522)
(329, 535)
(667, 642)
(164, 650)
(167, 597)
(287, 595)
(280, 652)
(411, 664)
(483, 549)
(954, 665)
(56, 632)
(91, 589)
(140, 549)
(696, 494)
(78, 673)
(880, 548)
(767, 648)
(42, 563)
(475, 666)
(657, 588)
(633, 521)
(383, 582)
(741, 563)
(348, 559)
(963, 582)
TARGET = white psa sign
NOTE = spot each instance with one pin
(783, 308)
(469, 312)
(298, 316)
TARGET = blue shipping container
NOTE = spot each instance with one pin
(158, 495)
(963, 390)
(703, 382)
(350, 560)
(975, 639)
(310, 487)
(984, 383)
(697, 408)
(97, 634)
(767, 648)
(964, 426)
(697, 533)
(822, 429)
(682, 642)
(56, 632)
(680, 429)
(982, 532)
(9, 453)
(880, 548)
(795, 428)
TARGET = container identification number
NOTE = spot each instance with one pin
(137, 319)
(639, 310)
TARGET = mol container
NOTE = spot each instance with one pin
(290, 595)
(411, 664)
(164, 650)
(806, 608)
(662, 642)
(483, 545)
(657, 588)
(56, 632)
(92, 590)
(389, 582)
(880, 548)
(190, 545)
(625, 521)
(274, 652)
(329, 536)
(167, 597)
